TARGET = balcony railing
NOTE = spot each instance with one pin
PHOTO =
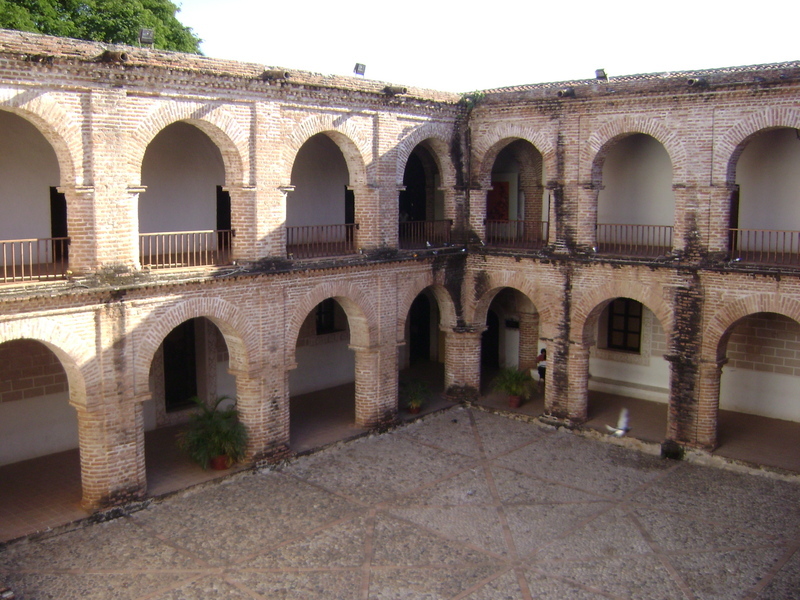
(178, 249)
(527, 235)
(425, 234)
(314, 241)
(34, 260)
(765, 246)
(634, 240)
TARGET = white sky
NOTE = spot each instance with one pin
(469, 45)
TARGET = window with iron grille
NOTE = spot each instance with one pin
(625, 325)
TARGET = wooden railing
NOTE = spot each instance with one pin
(311, 241)
(634, 240)
(765, 246)
(425, 234)
(177, 249)
(528, 235)
(34, 260)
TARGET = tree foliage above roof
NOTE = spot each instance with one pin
(111, 21)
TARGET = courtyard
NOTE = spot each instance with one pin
(463, 504)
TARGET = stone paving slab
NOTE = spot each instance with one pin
(463, 505)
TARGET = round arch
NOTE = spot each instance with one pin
(354, 145)
(588, 309)
(437, 138)
(544, 301)
(406, 297)
(733, 142)
(498, 137)
(720, 324)
(75, 356)
(55, 124)
(361, 314)
(215, 121)
(603, 140)
(242, 348)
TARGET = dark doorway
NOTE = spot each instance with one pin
(412, 199)
(223, 223)
(490, 342)
(419, 318)
(58, 223)
(180, 366)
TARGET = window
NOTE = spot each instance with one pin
(625, 325)
(326, 316)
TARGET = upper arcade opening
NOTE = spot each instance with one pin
(422, 222)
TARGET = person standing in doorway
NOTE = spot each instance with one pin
(541, 365)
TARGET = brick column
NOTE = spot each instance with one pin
(263, 403)
(462, 358)
(368, 234)
(80, 216)
(715, 204)
(477, 208)
(528, 340)
(567, 384)
(701, 431)
(376, 384)
(246, 244)
(111, 441)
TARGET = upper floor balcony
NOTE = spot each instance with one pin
(318, 241)
(523, 235)
(425, 234)
(639, 241)
(767, 247)
(34, 259)
(181, 249)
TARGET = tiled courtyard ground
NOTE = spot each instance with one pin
(462, 505)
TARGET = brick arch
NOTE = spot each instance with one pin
(75, 354)
(216, 121)
(731, 145)
(415, 286)
(351, 140)
(438, 137)
(603, 140)
(588, 308)
(720, 324)
(362, 316)
(57, 126)
(544, 301)
(488, 146)
(232, 323)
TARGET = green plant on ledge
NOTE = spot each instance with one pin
(413, 394)
(214, 435)
(515, 383)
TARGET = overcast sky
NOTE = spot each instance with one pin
(464, 46)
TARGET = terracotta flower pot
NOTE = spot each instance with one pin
(220, 463)
(414, 410)
(514, 401)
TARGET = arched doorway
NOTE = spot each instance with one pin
(321, 208)
(764, 212)
(627, 370)
(192, 361)
(184, 214)
(39, 456)
(322, 386)
(759, 407)
(636, 203)
(421, 203)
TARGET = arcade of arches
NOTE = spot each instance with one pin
(309, 249)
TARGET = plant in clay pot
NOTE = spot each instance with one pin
(515, 383)
(214, 435)
(413, 394)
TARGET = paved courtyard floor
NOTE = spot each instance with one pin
(461, 505)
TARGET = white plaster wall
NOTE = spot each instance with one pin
(645, 381)
(322, 366)
(637, 184)
(28, 168)
(181, 169)
(319, 175)
(768, 173)
(759, 393)
(509, 346)
(226, 383)
(36, 427)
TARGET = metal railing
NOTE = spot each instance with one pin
(311, 241)
(634, 240)
(528, 235)
(425, 234)
(34, 260)
(765, 246)
(177, 249)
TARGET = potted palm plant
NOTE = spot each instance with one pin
(515, 383)
(413, 394)
(214, 435)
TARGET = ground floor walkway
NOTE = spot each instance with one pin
(44, 493)
(462, 505)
